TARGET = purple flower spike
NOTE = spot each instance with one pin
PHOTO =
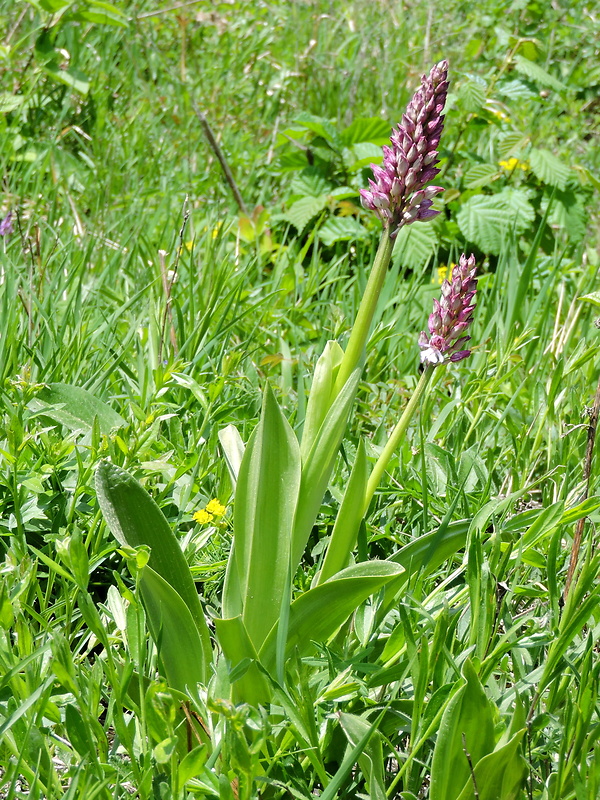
(451, 316)
(6, 225)
(397, 195)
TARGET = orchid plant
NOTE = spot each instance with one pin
(280, 481)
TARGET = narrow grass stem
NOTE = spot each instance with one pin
(366, 311)
(397, 434)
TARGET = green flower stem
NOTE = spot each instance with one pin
(366, 311)
(397, 434)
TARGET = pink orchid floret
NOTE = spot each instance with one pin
(452, 314)
(399, 195)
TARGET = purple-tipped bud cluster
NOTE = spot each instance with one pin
(397, 195)
(451, 316)
(6, 226)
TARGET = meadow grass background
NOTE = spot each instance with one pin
(119, 203)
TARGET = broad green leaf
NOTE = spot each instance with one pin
(320, 126)
(593, 297)
(434, 548)
(362, 155)
(317, 614)
(548, 168)
(265, 503)
(545, 524)
(347, 522)
(177, 638)
(538, 74)
(302, 211)
(78, 732)
(233, 450)
(320, 397)
(134, 519)
(73, 78)
(350, 759)
(568, 212)
(318, 466)
(75, 408)
(10, 102)
(367, 129)
(467, 723)
(480, 175)
(489, 220)
(415, 246)
(510, 143)
(102, 13)
(251, 686)
(342, 229)
(472, 95)
(371, 760)
(498, 775)
(310, 183)
(192, 764)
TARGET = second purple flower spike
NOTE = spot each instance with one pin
(451, 316)
(397, 195)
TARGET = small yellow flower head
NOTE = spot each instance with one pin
(513, 163)
(203, 517)
(216, 508)
(443, 273)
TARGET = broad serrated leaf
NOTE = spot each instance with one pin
(415, 246)
(364, 154)
(538, 74)
(488, 220)
(321, 127)
(548, 168)
(310, 183)
(480, 175)
(516, 90)
(510, 143)
(367, 129)
(569, 213)
(302, 211)
(472, 95)
(342, 229)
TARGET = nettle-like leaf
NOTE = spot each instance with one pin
(548, 168)
(342, 229)
(480, 175)
(472, 95)
(538, 74)
(304, 210)
(510, 143)
(568, 212)
(367, 129)
(488, 220)
(516, 90)
(310, 183)
(415, 246)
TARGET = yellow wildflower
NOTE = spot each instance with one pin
(443, 272)
(216, 508)
(512, 164)
(203, 517)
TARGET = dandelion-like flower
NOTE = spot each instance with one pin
(397, 195)
(451, 316)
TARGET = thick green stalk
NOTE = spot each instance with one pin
(397, 434)
(366, 311)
